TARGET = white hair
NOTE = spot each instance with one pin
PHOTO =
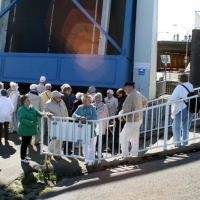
(14, 84)
(97, 96)
(78, 95)
(1, 85)
(87, 96)
(92, 88)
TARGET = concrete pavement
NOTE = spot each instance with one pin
(12, 167)
(175, 177)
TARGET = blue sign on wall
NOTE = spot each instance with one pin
(141, 72)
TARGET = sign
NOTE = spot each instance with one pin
(140, 65)
(141, 72)
(165, 59)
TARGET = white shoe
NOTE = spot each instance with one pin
(25, 161)
(27, 158)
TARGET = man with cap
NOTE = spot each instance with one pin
(91, 91)
(111, 102)
(57, 107)
(134, 101)
(6, 110)
(41, 85)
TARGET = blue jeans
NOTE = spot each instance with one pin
(181, 125)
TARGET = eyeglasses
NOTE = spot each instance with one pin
(108, 93)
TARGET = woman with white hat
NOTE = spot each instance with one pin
(37, 102)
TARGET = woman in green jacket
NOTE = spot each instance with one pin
(28, 125)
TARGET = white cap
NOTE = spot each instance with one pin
(42, 79)
(56, 94)
(33, 87)
(110, 91)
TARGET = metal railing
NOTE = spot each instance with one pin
(153, 133)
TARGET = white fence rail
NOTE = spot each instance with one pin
(154, 132)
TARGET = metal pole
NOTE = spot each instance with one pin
(186, 53)
(8, 8)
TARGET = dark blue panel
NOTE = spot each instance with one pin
(29, 67)
(84, 69)
(77, 70)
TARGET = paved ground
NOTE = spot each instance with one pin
(175, 177)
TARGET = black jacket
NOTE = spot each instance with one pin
(67, 100)
(76, 104)
(120, 103)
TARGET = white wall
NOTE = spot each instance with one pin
(146, 47)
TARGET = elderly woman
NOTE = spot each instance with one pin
(28, 125)
(14, 97)
(77, 102)
(83, 113)
(102, 111)
(37, 102)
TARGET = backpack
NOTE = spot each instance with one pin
(193, 105)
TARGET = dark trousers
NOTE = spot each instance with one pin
(25, 142)
(5, 124)
(116, 134)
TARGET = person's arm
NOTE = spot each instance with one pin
(46, 108)
(176, 94)
(116, 105)
(93, 115)
(144, 102)
(126, 108)
(38, 113)
(11, 107)
(76, 115)
(22, 118)
(41, 106)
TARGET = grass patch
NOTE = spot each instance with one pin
(45, 190)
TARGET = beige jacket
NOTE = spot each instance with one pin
(46, 95)
(58, 109)
(36, 101)
(134, 101)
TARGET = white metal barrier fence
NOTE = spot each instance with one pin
(153, 133)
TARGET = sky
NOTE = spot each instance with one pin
(181, 12)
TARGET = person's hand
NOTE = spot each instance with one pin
(83, 119)
(50, 115)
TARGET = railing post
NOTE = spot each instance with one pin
(99, 142)
(166, 126)
(42, 135)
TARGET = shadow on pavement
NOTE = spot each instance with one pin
(129, 171)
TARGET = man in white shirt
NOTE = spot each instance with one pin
(111, 102)
(41, 85)
(179, 112)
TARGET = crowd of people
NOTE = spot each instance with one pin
(22, 115)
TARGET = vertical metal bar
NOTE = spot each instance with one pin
(97, 25)
(94, 27)
(166, 126)
(100, 142)
(42, 135)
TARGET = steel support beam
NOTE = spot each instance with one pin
(97, 25)
(8, 8)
